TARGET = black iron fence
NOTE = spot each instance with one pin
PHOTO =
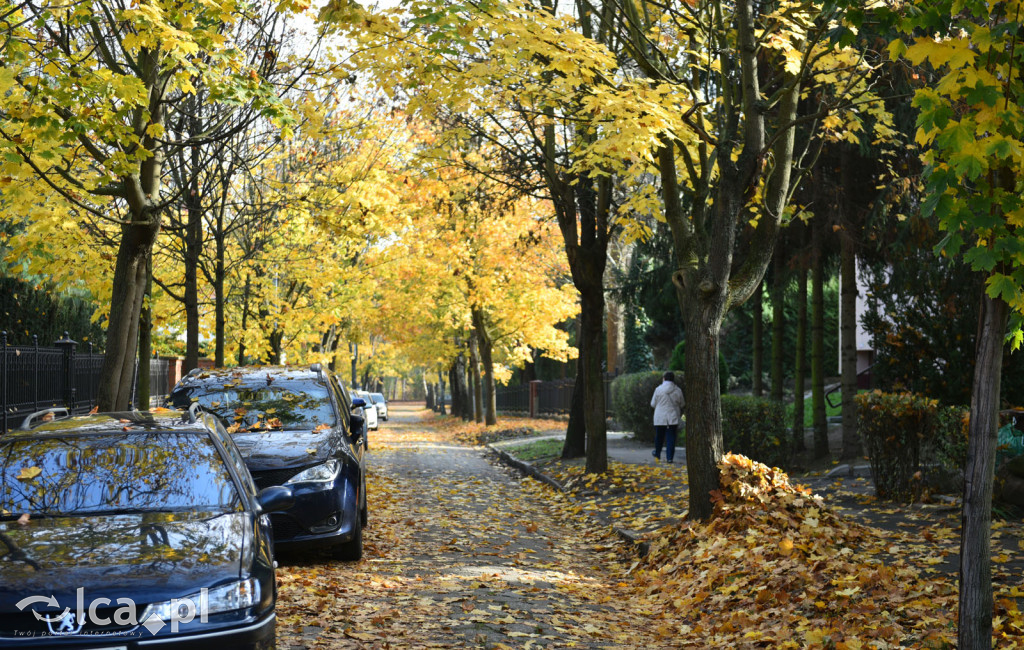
(33, 378)
(539, 398)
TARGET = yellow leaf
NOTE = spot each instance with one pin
(29, 473)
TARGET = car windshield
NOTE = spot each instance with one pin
(377, 398)
(162, 471)
(275, 405)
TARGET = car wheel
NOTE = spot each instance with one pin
(351, 550)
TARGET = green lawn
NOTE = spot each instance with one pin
(538, 449)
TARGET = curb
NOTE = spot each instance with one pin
(642, 546)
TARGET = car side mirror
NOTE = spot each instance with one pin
(355, 427)
(358, 402)
(275, 498)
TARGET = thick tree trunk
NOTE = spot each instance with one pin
(428, 390)
(757, 353)
(801, 360)
(129, 290)
(778, 323)
(594, 418)
(453, 382)
(848, 346)
(486, 359)
(821, 447)
(478, 393)
(192, 250)
(975, 617)
(703, 402)
(465, 398)
(575, 445)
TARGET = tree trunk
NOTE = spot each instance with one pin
(192, 250)
(144, 392)
(127, 296)
(975, 617)
(848, 346)
(453, 381)
(778, 321)
(353, 349)
(218, 293)
(821, 447)
(465, 397)
(757, 353)
(801, 360)
(440, 391)
(245, 319)
(486, 359)
(704, 446)
(478, 394)
(575, 445)
(591, 317)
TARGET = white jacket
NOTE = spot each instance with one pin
(668, 404)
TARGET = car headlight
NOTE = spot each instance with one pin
(226, 598)
(318, 473)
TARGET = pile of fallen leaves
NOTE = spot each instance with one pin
(775, 567)
(477, 433)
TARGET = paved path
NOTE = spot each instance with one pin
(457, 555)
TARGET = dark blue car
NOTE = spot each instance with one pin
(293, 428)
(133, 530)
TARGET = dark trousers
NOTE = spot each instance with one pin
(665, 435)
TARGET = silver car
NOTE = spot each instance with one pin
(381, 403)
(370, 413)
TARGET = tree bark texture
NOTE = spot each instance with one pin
(575, 445)
(801, 360)
(487, 361)
(144, 393)
(757, 334)
(821, 447)
(474, 365)
(976, 602)
(127, 297)
(440, 391)
(192, 249)
(848, 346)
(778, 323)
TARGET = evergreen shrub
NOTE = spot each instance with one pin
(899, 430)
(755, 427)
(631, 397)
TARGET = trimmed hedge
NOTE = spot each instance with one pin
(756, 428)
(906, 435)
(677, 364)
(631, 397)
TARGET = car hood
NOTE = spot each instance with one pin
(264, 450)
(149, 557)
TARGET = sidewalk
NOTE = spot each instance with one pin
(926, 532)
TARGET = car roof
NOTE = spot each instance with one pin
(253, 374)
(113, 423)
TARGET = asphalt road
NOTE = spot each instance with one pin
(459, 553)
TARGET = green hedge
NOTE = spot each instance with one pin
(677, 364)
(901, 431)
(756, 428)
(631, 397)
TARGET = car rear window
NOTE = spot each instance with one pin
(109, 473)
(277, 405)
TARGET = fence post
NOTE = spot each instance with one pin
(3, 385)
(534, 385)
(35, 374)
(68, 347)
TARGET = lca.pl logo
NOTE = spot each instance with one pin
(126, 615)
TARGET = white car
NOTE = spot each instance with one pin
(370, 412)
(381, 403)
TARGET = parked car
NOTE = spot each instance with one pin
(370, 411)
(354, 407)
(133, 530)
(292, 429)
(381, 403)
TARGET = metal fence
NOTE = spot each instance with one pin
(548, 397)
(33, 378)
